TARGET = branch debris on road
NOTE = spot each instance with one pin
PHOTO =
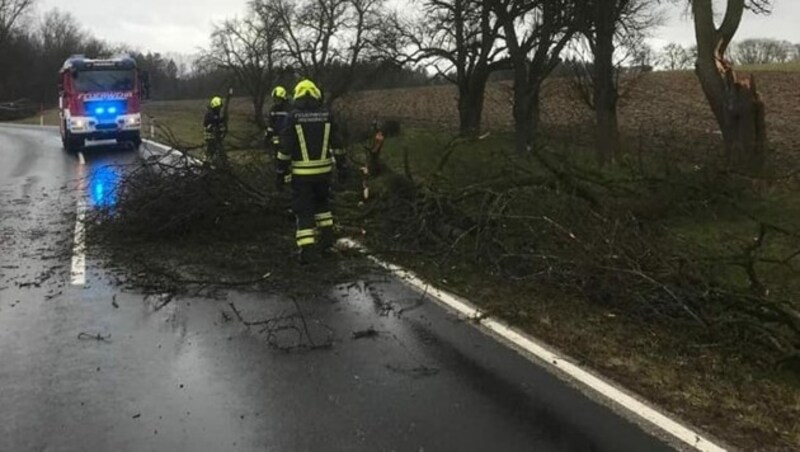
(369, 333)
(290, 331)
(93, 337)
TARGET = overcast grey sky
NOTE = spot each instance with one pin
(782, 24)
(183, 26)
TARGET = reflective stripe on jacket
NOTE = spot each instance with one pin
(310, 142)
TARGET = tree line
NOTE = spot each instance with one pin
(748, 52)
(468, 42)
(463, 42)
(34, 47)
(357, 44)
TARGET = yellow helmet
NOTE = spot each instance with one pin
(279, 92)
(307, 88)
(216, 102)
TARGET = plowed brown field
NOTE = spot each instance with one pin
(661, 109)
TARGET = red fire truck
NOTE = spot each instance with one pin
(99, 100)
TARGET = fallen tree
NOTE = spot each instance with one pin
(173, 223)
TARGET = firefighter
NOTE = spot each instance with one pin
(215, 128)
(374, 157)
(277, 118)
(373, 166)
(276, 122)
(310, 146)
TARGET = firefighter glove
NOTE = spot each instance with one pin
(344, 173)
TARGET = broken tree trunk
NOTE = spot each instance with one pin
(734, 100)
(744, 128)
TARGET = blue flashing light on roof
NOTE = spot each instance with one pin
(81, 63)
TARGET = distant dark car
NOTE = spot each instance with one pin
(19, 109)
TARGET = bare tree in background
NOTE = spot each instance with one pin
(320, 36)
(58, 36)
(10, 13)
(675, 57)
(59, 33)
(734, 100)
(615, 37)
(535, 33)
(247, 48)
(461, 40)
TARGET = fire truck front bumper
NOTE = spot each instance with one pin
(92, 128)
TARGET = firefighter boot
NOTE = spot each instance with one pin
(307, 255)
(326, 239)
(304, 255)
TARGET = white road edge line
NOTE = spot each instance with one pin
(547, 357)
(81, 159)
(172, 151)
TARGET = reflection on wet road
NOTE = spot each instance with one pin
(102, 368)
(102, 185)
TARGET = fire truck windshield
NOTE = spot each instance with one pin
(97, 81)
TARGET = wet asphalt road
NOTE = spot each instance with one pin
(191, 377)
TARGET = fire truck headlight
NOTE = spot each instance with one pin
(133, 121)
(78, 124)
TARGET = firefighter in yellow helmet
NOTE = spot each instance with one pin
(310, 147)
(276, 119)
(215, 128)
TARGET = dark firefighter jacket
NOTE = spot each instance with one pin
(276, 122)
(214, 124)
(310, 142)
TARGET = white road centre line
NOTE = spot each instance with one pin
(547, 357)
(78, 271)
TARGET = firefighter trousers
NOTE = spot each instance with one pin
(311, 202)
(215, 152)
